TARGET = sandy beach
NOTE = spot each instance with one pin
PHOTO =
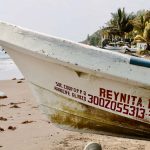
(24, 127)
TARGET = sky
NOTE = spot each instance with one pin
(69, 19)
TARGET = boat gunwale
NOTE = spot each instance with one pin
(75, 67)
(120, 58)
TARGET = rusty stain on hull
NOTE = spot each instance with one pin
(98, 121)
(88, 125)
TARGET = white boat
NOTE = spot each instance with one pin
(83, 88)
(113, 47)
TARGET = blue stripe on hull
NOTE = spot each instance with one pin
(140, 62)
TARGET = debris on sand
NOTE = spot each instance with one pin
(15, 106)
(35, 107)
(1, 129)
(2, 105)
(12, 103)
(11, 128)
(3, 119)
(19, 81)
(27, 121)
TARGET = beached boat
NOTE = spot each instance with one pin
(113, 47)
(83, 88)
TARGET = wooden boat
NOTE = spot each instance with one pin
(83, 88)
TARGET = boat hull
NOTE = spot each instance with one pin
(71, 115)
(83, 88)
(84, 102)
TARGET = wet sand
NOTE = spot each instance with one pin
(24, 127)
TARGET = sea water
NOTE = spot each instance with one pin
(8, 69)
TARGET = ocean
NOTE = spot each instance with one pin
(8, 69)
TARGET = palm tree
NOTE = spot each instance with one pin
(139, 24)
(122, 21)
(142, 27)
(146, 33)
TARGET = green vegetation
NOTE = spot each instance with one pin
(125, 27)
(121, 21)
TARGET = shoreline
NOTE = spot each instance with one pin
(27, 128)
(9, 70)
